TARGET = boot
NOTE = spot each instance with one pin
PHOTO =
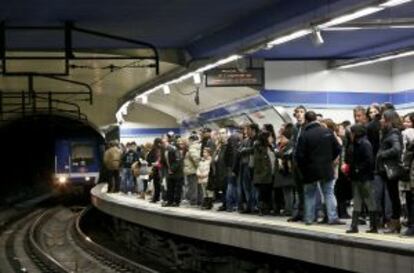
(393, 227)
(410, 217)
(204, 203)
(210, 203)
(354, 223)
(207, 203)
(373, 222)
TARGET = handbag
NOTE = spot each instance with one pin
(393, 171)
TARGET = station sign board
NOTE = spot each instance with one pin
(228, 77)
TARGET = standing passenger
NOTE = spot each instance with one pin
(203, 174)
(264, 171)
(316, 151)
(408, 156)
(362, 175)
(191, 161)
(112, 161)
(154, 161)
(172, 160)
(389, 157)
(298, 129)
(129, 157)
(247, 188)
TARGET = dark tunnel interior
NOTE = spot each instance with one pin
(28, 151)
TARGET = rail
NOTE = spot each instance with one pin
(45, 261)
(103, 254)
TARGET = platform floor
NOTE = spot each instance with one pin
(269, 233)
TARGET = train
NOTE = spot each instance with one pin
(77, 163)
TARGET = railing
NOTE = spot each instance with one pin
(20, 104)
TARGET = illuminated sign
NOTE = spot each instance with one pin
(235, 77)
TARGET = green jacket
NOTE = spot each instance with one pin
(263, 166)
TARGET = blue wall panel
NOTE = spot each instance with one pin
(136, 132)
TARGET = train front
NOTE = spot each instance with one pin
(77, 164)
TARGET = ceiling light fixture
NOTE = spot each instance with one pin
(166, 89)
(317, 38)
(335, 21)
(197, 78)
(393, 3)
(378, 59)
(144, 99)
(351, 16)
(288, 37)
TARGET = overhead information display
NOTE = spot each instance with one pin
(234, 77)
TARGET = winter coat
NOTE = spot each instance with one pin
(373, 134)
(219, 170)
(263, 169)
(316, 150)
(362, 161)
(173, 162)
(390, 150)
(283, 174)
(192, 158)
(408, 156)
(154, 161)
(129, 158)
(112, 158)
(203, 171)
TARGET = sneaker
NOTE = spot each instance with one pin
(337, 222)
(166, 204)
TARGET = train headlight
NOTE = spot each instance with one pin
(62, 179)
(87, 178)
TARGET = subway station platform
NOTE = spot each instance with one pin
(320, 244)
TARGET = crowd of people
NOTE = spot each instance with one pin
(313, 170)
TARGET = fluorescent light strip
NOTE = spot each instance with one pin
(393, 3)
(377, 60)
(166, 89)
(190, 75)
(144, 99)
(336, 21)
(351, 16)
(289, 37)
(197, 78)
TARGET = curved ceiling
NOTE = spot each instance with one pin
(197, 29)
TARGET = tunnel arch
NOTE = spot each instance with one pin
(28, 145)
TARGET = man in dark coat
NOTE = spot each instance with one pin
(173, 161)
(297, 130)
(316, 150)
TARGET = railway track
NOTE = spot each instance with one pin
(51, 240)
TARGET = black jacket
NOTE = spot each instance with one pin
(173, 163)
(362, 161)
(316, 150)
(219, 169)
(373, 134)
(390, 150)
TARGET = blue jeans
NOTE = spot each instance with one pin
(382, 198)
(231, 193)
(127, 180)
(192, 190)
(310, 191)
(246, 188)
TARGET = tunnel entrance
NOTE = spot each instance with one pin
(28, 151)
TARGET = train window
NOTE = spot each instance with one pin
(82, 153)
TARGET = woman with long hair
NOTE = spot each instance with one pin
(154, 161)
(264, 159)
(388, 160)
